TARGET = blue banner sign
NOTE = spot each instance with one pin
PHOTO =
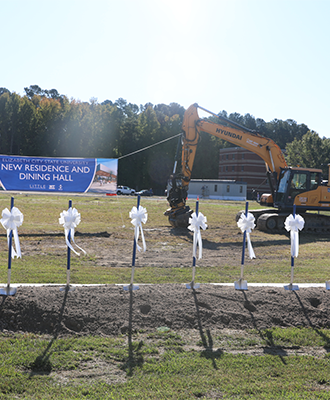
(42, 174)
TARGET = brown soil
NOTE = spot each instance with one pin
(214, 318)
(110, 310)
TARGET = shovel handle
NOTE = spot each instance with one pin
(68, 264)
(10, 240)
(194, 258)
(244, 234)
(134, 243)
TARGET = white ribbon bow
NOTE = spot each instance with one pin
(294, 225)
(70, 219)
(11, 220)
(138, 216)
(196, 222)
(246, 224)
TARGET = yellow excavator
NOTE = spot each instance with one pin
(300, 186)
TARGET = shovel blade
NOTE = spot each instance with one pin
(241, 284)
(8, 291)
(131, 287)
(193, 285)
(291, 286)
(67, 288)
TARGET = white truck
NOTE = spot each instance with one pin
(125, 190)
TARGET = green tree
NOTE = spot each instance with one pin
(148, 134)
(162, 160)
(5, 123)
(29, 143)
(45, 123)
(10, 134)
(106, 142)
(127, 142)
(309, 152)
(3, 90)
(50, 115)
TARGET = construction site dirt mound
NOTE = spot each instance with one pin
(111, 310)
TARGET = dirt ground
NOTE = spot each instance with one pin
(110, 310)
(212, 318)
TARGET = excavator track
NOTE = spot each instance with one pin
(272, 221)
(316, 223)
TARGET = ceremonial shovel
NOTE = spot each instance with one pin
(131, 286)
(192, 284)
(327, 285)
(291, 286)
(68, 288)
(9, 291)
(242, 284)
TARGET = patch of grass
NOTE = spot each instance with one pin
(167, 340)
(149, 366)
(45, 262)
(239, 342)
(276, 337)
(296, 337)
(163, 364)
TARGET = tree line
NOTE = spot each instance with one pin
(48, 124)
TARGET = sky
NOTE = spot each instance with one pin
(268, 58)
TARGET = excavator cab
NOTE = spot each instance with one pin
(293, 185)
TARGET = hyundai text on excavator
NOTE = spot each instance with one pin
(300, 186)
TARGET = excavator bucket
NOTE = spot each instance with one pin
(179, 218)
(182, 221)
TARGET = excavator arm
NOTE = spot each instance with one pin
(231, 132)
(236, 134)
(290, 186)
